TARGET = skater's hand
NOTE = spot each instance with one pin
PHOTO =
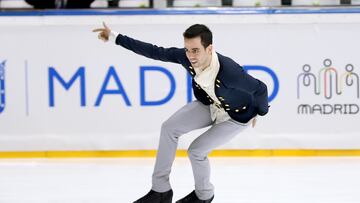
(104, 32)
(254, 122)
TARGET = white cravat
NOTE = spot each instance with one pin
(206, 79)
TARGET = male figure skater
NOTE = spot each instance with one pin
(227, 99)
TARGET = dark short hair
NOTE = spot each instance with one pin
(201, 30)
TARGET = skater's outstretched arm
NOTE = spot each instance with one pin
(175, 55)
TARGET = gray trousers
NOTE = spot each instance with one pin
(192, 116)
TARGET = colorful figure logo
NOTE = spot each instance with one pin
(329, 81)
(2, 86)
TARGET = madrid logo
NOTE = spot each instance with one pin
(328, 84)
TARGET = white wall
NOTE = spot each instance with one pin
(282, 43)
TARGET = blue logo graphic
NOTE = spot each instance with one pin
(2, 86)
(79, 78)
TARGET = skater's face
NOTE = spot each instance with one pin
(198, 55)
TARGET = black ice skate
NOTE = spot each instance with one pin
(156, 197)
(192, 198)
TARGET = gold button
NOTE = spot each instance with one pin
(237, 110)
(192, 73)
(190, 67)
(244, 107)
(227, 109)
(207, 96)
(218, 81)
(217, 85)
(226, 104)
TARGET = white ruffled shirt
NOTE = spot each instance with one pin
(206, 79)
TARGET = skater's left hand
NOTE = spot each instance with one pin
(104, 32)
(254, 122)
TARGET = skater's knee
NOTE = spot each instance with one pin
(168, 129)
(196, 154)
(168, 126)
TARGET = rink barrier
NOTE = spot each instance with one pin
(184, 11)
(180, 153)
(24, 124)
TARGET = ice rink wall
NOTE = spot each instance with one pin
(62, 89)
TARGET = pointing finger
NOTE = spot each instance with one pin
(105, 26)
(99, 30)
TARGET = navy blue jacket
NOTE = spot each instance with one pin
(241, 95)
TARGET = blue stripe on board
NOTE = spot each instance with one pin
(184, 11)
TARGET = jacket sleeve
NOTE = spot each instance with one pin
(255, 87)
(151, 51)
(239, 79)
(261, 97)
